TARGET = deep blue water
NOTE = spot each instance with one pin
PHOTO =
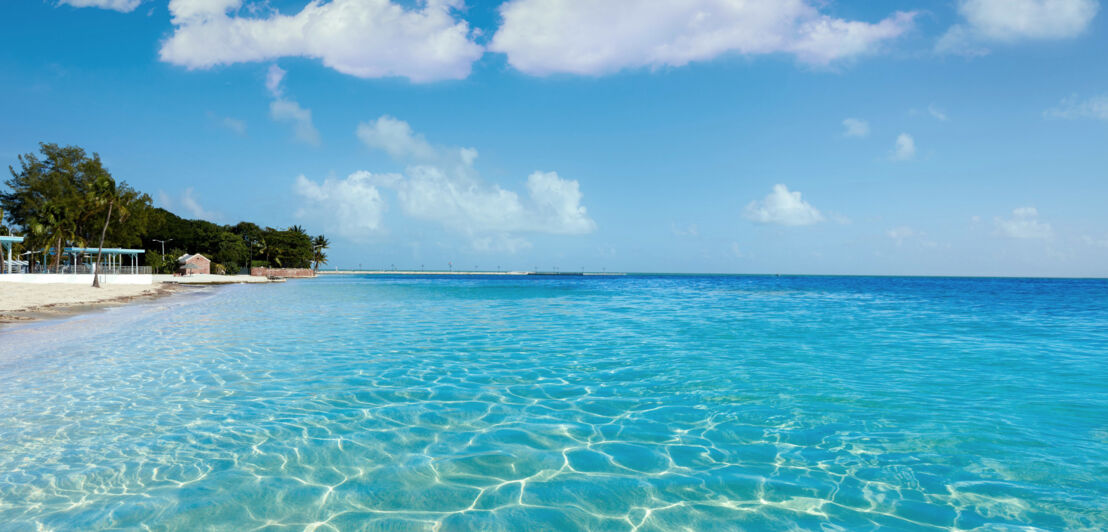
(616, 403)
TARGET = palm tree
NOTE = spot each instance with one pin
(105, 192)
(318, 256)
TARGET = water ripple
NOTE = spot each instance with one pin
(638, 403)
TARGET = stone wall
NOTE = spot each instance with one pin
(281, 272)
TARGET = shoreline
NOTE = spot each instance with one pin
(30, 302)
(70, 300)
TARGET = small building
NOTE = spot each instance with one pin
(194, 264)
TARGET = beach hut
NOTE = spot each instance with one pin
(194, 264)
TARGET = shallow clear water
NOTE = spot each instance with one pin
(649, 403)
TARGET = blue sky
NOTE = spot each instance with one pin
(794, 136)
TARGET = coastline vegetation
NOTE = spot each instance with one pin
(65, 197)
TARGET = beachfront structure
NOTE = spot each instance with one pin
(117, 266)
(6, 243)
(115, 260)
(194, 264)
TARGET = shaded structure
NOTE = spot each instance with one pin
(6, 243)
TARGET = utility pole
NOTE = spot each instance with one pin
(163, 247)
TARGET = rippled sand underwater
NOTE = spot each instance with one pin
(635, 403)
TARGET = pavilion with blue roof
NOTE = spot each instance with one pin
(6, 243)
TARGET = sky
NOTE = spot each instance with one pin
(960, 137)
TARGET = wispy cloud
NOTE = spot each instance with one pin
(937, 113)
(187, 205)
(123, 6)
(855, 127)
(1024, 223)
(283, 109)
(1073, 107)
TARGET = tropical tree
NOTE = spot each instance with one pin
(57, 198)
(104, 192)
(319, 244)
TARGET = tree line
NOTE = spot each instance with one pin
(64, 197)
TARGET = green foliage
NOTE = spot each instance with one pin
(60, 198)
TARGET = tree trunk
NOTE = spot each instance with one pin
(100, 250)
(58, 255)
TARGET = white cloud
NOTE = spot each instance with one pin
(364, 38)
(591, 37)
(905, 148)
(235, 125)
(300, 118)
(442, 185)
(783, 207)
(900, 233)
(123, 6)
(396, 138)
(1072, 108)
(1008, 21)
(690, 230)
(273, 79)
(187, 206)
(736, 251)
(936, 113)
(1095, 242)
(351, 207)
(1024, 223)
(854, 127)
(282, 109)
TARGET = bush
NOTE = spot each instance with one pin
(219, 269)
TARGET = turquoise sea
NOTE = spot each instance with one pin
(587, 403)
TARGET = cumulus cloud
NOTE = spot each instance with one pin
(364, 38)
(854, 127)
(351, 207)
(905, 148)
(1024, 223)
(588, 37)
(395, 137)
(783, 207)
(123, 6)
(1008, 21)
(282, 109)
(1073, 108)
(442, 185)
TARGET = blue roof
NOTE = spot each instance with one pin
(7, 239)
(113, 251)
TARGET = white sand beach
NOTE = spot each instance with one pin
(28, 301)
(18, 298)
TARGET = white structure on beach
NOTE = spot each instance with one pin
(120, 266)
(6, 243)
